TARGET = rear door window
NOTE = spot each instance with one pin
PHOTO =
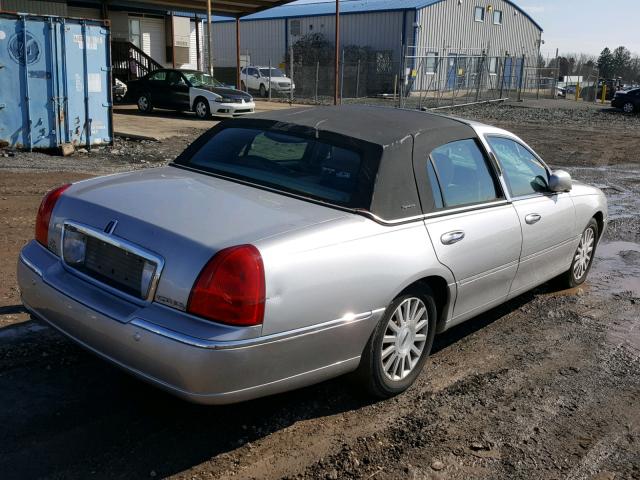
(158, 76)
(463, 175)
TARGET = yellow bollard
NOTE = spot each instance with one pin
(604, 93)
(577, 91)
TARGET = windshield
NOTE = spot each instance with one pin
(275, 72)
(199, 79)
(286, 162)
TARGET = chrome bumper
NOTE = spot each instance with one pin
(203, 368)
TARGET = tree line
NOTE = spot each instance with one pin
(619, 63)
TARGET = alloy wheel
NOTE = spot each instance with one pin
(143, 104)
(404, 339)
(201, 109)
(628, 107)
(583, 254)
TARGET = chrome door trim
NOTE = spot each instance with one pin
(119, 243)
(440, 213)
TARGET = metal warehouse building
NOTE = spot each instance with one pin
(421, 35)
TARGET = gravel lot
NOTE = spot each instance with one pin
(546, 386)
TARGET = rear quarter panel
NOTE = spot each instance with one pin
(348, 266)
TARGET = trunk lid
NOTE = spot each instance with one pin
(184, 217)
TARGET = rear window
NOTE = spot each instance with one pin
(300, 165)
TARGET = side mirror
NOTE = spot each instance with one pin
(559, 181)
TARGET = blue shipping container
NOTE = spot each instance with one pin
(55, 82)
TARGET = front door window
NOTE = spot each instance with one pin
(523, 172)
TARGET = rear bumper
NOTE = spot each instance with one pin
(198, 369)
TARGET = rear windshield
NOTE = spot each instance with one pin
(283, 161)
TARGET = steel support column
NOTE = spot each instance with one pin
(337, 56)
(238, 52)
(198, 48)
(209, 49)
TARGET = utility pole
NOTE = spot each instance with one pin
(209, 53)
(337, 55)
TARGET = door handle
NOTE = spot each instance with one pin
(532, 218)
(452, 237)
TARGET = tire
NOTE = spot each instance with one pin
(263, 91)
(201, 107)
(144, 104)
(582, 258)
(628, 107)
(379, 372)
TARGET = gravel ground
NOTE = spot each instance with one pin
(545, 386)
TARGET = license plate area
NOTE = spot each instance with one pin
(110, 261)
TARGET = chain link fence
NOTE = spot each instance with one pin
(418, 78)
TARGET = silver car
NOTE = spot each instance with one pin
(287, 248)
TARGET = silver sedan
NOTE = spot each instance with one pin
(287, 248)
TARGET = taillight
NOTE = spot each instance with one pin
(44, 214)
(231, 287)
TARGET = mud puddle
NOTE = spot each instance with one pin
(616, 269)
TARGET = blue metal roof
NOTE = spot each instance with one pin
(328, 7)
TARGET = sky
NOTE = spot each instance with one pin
(581, 26)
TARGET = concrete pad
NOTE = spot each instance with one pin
(128, 122)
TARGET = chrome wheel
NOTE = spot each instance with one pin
(201, 109)
(582, 259)
(404, 338)
(628, 107)
(143, 104)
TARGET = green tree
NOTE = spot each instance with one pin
(605, 63)
(621, 62)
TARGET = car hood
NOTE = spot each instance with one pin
(280, 79)
(227, 92)
(185, 217)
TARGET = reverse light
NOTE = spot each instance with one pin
(231, 288)
(44, 214)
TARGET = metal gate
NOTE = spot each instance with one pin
(439, 77)
(55, 82)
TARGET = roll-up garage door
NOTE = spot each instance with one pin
(153, 39)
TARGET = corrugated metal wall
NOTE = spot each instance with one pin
(451, 25)
(449, 28)
(265, 40)
(378, 30)
(36, 6)
(84, 12)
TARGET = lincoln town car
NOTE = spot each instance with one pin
(286, 248)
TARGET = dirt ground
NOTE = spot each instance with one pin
(545, 386)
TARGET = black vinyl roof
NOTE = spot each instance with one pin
(392, 142)
(382, 126)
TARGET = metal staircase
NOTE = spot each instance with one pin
(130, 62)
